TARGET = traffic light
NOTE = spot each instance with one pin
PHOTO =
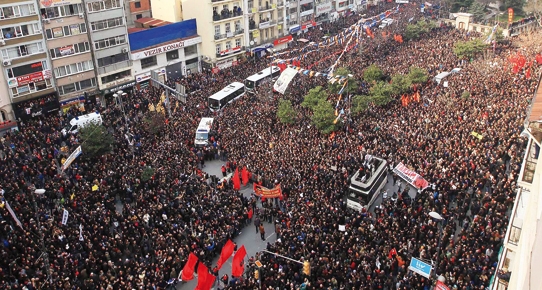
(307, 268)
(257, 274)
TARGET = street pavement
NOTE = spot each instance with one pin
(249, 238)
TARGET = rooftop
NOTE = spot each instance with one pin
(148, 22)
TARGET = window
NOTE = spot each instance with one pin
(250, 5)
(17, 11)
(237, 25)
(238, 42)
(139, 16)
(171, 55)
(22, 50)
(73, 68)
(218, 48)
(20, 30)
(228, 45)
(191, 61)
(109, 42)
(105, 24)
(192, 49)
(137, 4)
(228, 27)
(217, 29)
(31, 88)
(68, 30)
(71, 49)
(26, 69)
(103, 5)
(116, 76)
(61, 11)
(112, 59)
(77, 86)
(149, 61)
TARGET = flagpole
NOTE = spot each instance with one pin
(40, 231)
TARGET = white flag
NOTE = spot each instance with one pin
(81, 232)
(17, 221)
(65, 217)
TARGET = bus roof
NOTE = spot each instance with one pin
(381, 165)
(205, 124)
(263, 74)
(226, 91)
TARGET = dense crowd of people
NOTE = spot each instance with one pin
(146, 241)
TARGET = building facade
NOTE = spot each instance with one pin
(137, 9)
(25, 63)
(172, 50)
(266, 23)
(69, 46)
(106, 20)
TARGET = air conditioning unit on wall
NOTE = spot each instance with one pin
(6, 62)
(124, 50)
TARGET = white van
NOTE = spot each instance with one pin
(203, 132)
(81, 121)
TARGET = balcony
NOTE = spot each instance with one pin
(266, 7)
(280, 3)
(252, 26)
(220, 36)
(267, 24)
(280, 20)
(239, 31)
(114, 67)
(227, 14)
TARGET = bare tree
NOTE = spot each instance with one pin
(534, 7)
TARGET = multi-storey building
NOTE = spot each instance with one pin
(521, 254)
(171, 50)
(66, 34)
(106, 22)
(300, 16)
(25, 64)
(137, 9)
(265, 23)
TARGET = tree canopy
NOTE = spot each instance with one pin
(372, 74)
(314, 96)
(381, 93)
(469, 49)
(324, 116)
(96, 140)
(417, 75)
(154, 122)
(400, 84)
(352, 85)
(415, 31)
(285, 112)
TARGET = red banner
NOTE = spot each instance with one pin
(282, 40)
(410, 176)
(266, 192)
(227, 250)
(510, 15)
(236, 180)
(238, 263)
(187, 273)
(441, 286)
(30, 78)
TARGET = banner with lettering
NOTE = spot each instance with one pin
(65, 217)
(268, 193)
(284, 80)
(411, 177)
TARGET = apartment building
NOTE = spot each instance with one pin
(69, 46)
(25, 65)
(300, 16)
(521, 254)
(171, 50)
(266, 23)
(137, 9)
(106, 22)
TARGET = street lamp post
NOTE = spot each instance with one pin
(440, 219)
(272, 51)
(118, 96)
(40, 232)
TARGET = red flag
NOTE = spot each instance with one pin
(227, 250)
(392, 253)
(250, 213)
(238, 263)
(244, 176)
(205, 279)
(188, 271)
(236, 180)
(528, 73)
(539, 58)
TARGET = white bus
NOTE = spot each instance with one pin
(266, 75)
(220, 99)
(365, 187)
(203, 132)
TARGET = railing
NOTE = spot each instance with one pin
(252, 26)
(114, 67)
(280, 3)
(239, 31)
(220, 36)
(280, 20)
(267, 24)
(218, 17)
(266, 7)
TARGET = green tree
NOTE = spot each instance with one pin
(457, 5)
(285, 112)
(154, 122)
(517, 5)
(469, 49)
(400, 84)
(415, 31)
(498, 36)
(96, 140)
(360, 103)
(314, 96)
(381, 93)
(324, 116)
(478, 10)
(336, 87)
(372, 74)
(417, 75)
(147, 174)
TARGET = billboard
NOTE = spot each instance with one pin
(56, 3)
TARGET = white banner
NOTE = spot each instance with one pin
(284, 80)
(81, 232)
(17, 221)
(65, 217)
(71, 158)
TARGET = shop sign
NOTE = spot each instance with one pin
(56, 3)
(165, 48)
(147, 75)
(224, 64)
(29, 78)
(324, 8)
(230, 51)
(120, 87)
(282, 40)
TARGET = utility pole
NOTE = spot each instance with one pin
(44, 253)
(178, 92)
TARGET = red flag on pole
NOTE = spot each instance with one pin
(187, 273)
(227, 250)
(236, 180)
(205, 279)
(238, 263)
(244, 176)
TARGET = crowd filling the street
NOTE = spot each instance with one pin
(180, 209)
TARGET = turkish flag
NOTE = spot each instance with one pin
(188, 271)
(205, 279)
(236, 180)
(227, 250)
(238, 264)
(244, 176)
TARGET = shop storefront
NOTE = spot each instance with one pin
(143, 80)
(282, 43)
(39, 106)
(261, 51)
(125, 87)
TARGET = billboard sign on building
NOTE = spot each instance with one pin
(324, 8)
(56, 3)
(29, 78)
(165, 48)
